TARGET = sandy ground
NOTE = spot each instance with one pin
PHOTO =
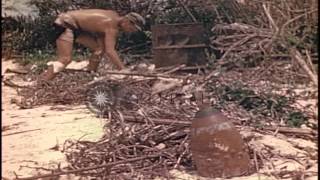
(28, 134)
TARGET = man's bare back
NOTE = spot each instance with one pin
(95, 20)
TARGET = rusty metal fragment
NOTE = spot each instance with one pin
(175, 44)
(217, 147)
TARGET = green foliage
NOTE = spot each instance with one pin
(171, 16)
(38, 57)
(267, 105)
(43, 56)
(37, 35)
(306, 37)
(208, 18)
(296, 119)
(127, 40)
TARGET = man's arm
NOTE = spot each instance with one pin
(110, 43)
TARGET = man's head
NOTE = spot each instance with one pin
(132, 22)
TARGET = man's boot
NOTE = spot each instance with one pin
(48, 74)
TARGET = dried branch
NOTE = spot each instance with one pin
(296, 55)
(89, 168)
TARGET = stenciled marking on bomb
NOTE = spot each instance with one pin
(101, 97)
(105, 96)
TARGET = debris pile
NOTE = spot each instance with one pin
(147, 133)
(67, 88)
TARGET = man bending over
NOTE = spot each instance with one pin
(96, 29)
